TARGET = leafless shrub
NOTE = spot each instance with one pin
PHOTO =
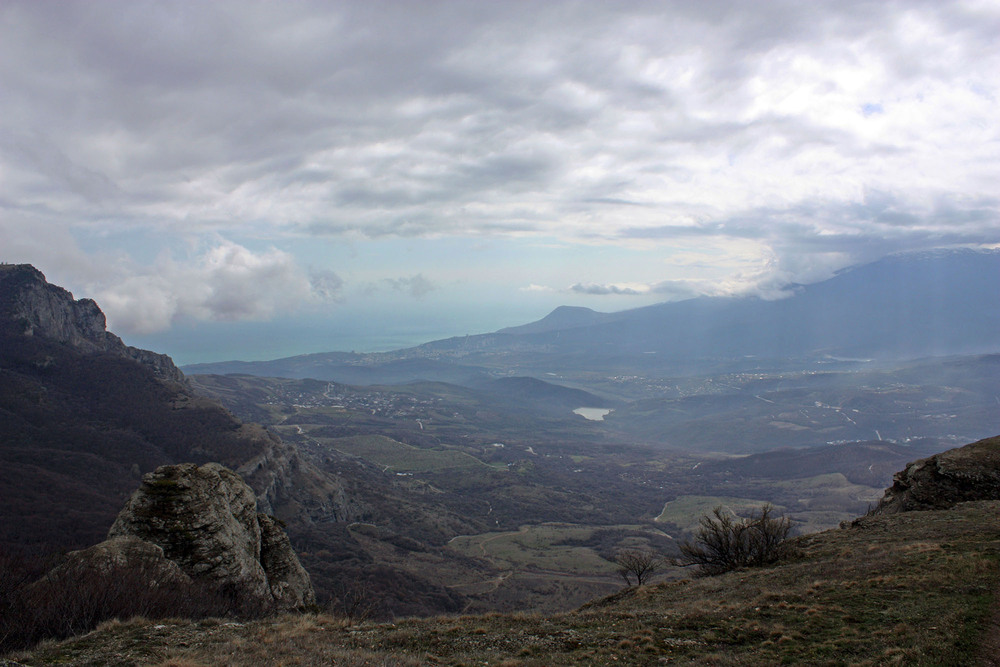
(725, 542)
(15, 573)
(76, 599)
(640, 565)
(354, 602)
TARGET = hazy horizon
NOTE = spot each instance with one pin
(253, 179)
(264, 341)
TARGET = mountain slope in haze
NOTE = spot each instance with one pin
(901, 307)
(563, 317)
(541, 395)
(83, 417)
(864, 463)
(942, 399)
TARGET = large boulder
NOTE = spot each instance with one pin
(287, 579)
(966, 473)
(116, 555)
(121, 577)
(205, 519)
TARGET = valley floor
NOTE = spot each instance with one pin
(915, 589)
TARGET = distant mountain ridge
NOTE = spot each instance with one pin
(901, 307)
(563, 317)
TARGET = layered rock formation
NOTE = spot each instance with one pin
(958, 475)
(288, 485)
(29, 302)
(205, 520)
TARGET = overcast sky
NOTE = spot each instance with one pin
(255, 179)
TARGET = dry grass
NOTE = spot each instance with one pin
(912, 589)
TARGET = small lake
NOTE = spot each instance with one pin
(593, 414)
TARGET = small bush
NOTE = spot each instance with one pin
(725, 542)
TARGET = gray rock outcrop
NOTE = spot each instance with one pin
(205, 520)
(119, 553)
(958, 475)
(42, 309)
(286, 577)
(284, 481)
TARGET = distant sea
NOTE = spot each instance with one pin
(248, 342)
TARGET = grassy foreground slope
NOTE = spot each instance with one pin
(915, 589)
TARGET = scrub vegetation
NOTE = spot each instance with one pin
(913, 588)
(726, 542)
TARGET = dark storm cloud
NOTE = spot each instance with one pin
(376, 105)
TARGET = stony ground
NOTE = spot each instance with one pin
(910, 589)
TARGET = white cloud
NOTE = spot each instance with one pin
(628, 289)
(228, 282)
(813, 135)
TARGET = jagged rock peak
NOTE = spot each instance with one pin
(31, 306)
(205, 519)
(958, 475)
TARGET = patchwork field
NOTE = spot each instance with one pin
(549, 546)
(686, 511)
(398, 457)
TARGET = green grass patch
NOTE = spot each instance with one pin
(400, 457)
(538, 546)
(686, 511)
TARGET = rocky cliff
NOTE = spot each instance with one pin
(205, 520)
(288, 485)
(83, 417)
(941, 481)
(30, 304)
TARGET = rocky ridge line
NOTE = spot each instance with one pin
(40, 308)
(941, 481)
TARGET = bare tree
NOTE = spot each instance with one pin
(640, 565)
(353, 601)
(725, 542)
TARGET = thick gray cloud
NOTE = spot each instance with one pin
(228, 282)
(797, 137)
